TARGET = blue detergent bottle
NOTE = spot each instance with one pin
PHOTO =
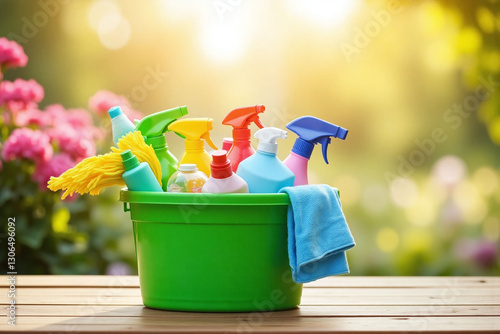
(263, 171)
(138, 176)
(120, 124)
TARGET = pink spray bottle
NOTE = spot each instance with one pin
(311, 131)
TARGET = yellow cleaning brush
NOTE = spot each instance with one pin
(93, 174)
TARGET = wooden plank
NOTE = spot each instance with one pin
(347, 296)
(446, 292)
(72, 281)
(404, 281)
(325, 299)
(255, 323)
(337, 281)
(302, 311)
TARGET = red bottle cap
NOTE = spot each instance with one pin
(221, 166)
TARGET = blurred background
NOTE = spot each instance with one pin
(416, 83)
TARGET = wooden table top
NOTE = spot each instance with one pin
(99, 304)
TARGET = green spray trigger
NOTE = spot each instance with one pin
(157, 124)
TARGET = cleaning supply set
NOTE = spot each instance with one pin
(257, 228)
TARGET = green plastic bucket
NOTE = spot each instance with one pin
(212, 252)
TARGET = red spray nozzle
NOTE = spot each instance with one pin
(241, 118)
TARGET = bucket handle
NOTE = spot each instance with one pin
(126, 206)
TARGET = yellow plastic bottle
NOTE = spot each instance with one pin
(194, 130)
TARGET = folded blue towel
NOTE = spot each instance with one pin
(318, 235)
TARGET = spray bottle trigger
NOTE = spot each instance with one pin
(209, 141)
(257, 121)
(324, 141)
(180, 135)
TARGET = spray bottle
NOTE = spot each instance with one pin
(153, 127)
(311, 131)
(240, 119)
(194, 130)
(263, 171)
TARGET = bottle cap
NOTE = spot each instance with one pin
(115, 111)
(129, 160)
(188, 168)
(267, 139)
(227, 143)
(221, 165)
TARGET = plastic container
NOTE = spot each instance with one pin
(212, 252)
(138, 176)
(120, 124)
(223, 179)
(263, 171)
(188, 179)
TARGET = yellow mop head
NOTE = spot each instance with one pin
(93, 174)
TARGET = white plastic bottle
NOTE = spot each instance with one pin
(223, 179)
(120, 124)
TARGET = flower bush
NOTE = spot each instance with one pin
(53, 236)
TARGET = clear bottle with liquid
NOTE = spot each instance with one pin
(188, 179)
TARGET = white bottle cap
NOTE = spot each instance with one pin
(188, 168)
(267, 139)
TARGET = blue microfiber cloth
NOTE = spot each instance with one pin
(318, 235)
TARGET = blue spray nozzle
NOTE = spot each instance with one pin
(311, 131)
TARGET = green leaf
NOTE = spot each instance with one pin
(34, 235)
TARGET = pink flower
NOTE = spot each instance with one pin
(132, 114)
(56, 114)
(79, 118)
(32, 117)
(20, 94)
(76, 143)
(26, 143)
(104, 100)
(486, 254)
(54, 167)
(11, 54)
